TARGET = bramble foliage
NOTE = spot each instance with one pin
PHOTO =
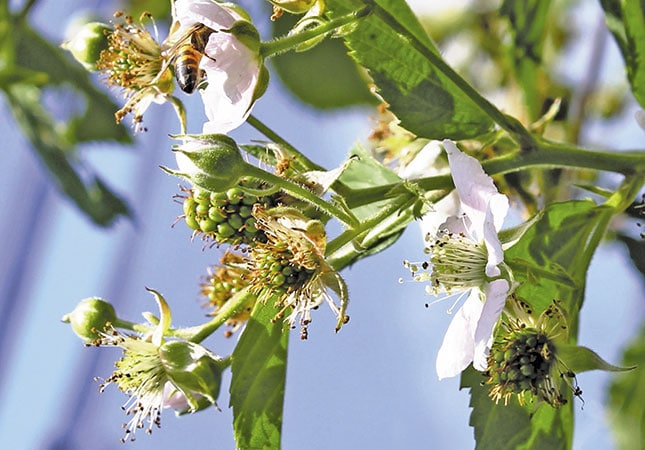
(525, 285)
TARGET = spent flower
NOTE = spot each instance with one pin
(157, 373)
(290, 268)
(466, 260)
(524, 359)
(225, 280)
(134, 62)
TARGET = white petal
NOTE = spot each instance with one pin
(475, 189)
(232, 71)
(457, 349)
(456, 225)
(424, 164)
(640, 118)
(436, 218)
(496, 293)
(211, 14)
(492, 242)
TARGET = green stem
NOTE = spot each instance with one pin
(201, 332)
(289, 42)
(302, 194)
(25, 10)
(547, 155)
(370, 226)
(508, 123)
(304, 163)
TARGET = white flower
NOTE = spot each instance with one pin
(465, 257)
(232, 65)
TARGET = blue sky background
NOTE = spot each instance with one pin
(372, 385)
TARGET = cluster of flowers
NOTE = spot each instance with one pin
(277, 251)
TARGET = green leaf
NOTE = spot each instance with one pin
(426, 101)
(93, 196)
(625, 402)
(259, 364)
(528, 21)
(363, 173)
(582, 359)
(324, 76)
(513, 427)
(551, 259)
(96, 122)
(636, 249)
(626, 20)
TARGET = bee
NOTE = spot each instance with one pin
(187, 54)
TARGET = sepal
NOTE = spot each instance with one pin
(194, 371)
(88, 43)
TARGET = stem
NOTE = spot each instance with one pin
(302, 194)
(508, 123)
(201, 332)
(547, 154)
(25, 10)
(366, 227)
(286, 43)
(305, 163)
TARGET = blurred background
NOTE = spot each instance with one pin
(372, 385)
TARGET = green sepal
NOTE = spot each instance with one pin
(165, 317)
(582, 359)
(194, 370)
(86, 45)
(247, 34)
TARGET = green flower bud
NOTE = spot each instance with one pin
(86, 46)
(194, 371)
(212, 162)
(89, 316)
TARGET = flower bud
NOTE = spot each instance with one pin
(194, 371)
(86, 45)
(211, 162)
(91, 315)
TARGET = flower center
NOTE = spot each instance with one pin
(521, 364)
(278, 272)
(458, 263)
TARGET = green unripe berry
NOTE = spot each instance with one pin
(189, 205)
(278, 280)
(192, 223)
(215, 214)
(202, 209)
(225, 230)
(235, 221)
(244, 211)
(235, 195)
(207, 225)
